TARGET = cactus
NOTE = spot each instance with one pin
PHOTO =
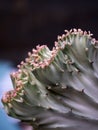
(57, 89)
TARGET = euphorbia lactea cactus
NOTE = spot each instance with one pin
(58, 89)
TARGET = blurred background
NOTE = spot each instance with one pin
(26, 23)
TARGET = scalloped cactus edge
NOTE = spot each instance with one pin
(57, 89)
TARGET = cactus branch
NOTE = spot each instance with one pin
(57, 89)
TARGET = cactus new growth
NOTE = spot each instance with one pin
(58, 89)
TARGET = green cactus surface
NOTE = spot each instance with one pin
(57, 89)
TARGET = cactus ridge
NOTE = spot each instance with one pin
(57, 89)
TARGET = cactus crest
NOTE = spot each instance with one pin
(57, 89)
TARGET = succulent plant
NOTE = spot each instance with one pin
(58, 89)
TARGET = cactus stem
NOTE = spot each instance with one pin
(58, 67)
(50, 93)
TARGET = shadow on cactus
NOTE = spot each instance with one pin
(58, 89)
